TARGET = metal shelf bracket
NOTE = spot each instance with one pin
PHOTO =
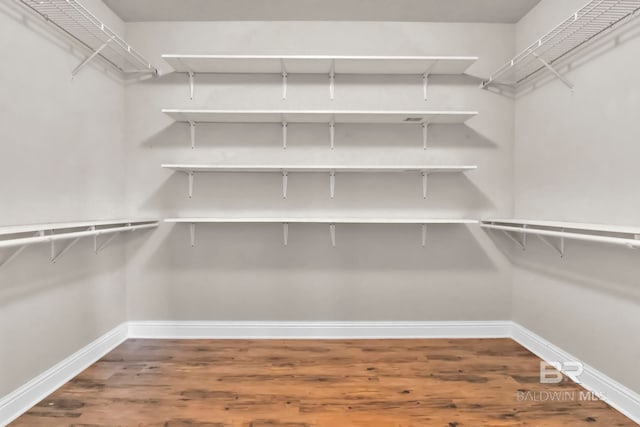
(284, 134)
(332, 134)
(192, 133)
(55, 257)
(522, 243)
(424, 184)
(559, 247)
(285, 182)
(12, 255)
(192, 234)
(191, 84)
(90, 57)
(332, 184)
(425, 135)
(555, 72)
(190, 177)
(332, 80)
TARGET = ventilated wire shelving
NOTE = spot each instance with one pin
(80, 24)
(593, 19)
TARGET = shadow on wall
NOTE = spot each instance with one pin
(370, 247)
(609, 269)
(388, 194)
(302, 135)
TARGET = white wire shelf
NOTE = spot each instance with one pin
(319, 64)
(584, 25)
(329, 117)
(423, 222)
(17, 238)
(80, 24)
(547, 230)
(421, 170)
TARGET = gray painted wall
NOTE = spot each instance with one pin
(376, 272)
(576, 160)
(62, 158)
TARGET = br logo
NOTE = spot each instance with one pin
(551, 372)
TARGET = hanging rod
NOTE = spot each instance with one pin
(568, 231)
(85, 28)
(596, 17)
(58, 232)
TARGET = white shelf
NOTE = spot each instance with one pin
(423, 170)
(331, 118)
(584, 25)
(18, 237)
(313, 168)
(285, 221)
(336, 220)
(628, 236)
(80, 24)
(319, 64)
(318, 116)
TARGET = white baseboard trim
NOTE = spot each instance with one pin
(16, 403)
(22, 399)
(621, 398)
(319, 330)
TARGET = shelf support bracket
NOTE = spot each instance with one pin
(284, 135)
(17, 251)
(424, 235)
(106, 242)
(192, 234)
(558, 248)
(332, 231)
(521, 243)
(555, 72)
(332, 80)
(192, 134)
(332, 184)
(285, 233)
(90, 57)
(190, 177)
(424, 184)
(285, 182)
(425, 84)
(191, 84)
(14, 254)
(284, 84)
(55, 257)
(425, 135)
(332, 134)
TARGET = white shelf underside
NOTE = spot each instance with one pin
(313, 169)
(337, 220)
(319, 116)
(309, 64)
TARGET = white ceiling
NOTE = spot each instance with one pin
(505, 11)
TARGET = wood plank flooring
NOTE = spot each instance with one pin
(443, 383)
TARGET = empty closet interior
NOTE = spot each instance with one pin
(338, 169)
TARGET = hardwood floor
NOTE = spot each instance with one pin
(444, 383)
